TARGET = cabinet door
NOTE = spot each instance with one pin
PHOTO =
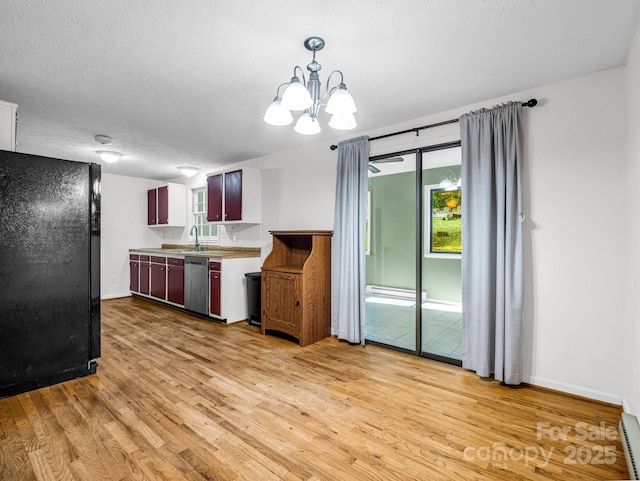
(158, 281)
(214, 198)
(163, 205)
(175, 284)
(215, 279)
(144, 278)
(233, 195)
(134, 276)
(152, 207)
(282, 302)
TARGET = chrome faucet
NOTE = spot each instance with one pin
(195, 227)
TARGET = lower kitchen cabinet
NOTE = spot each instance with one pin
(228, 287)
(175, 280)
(163, 278)
(215, 288)
(158, 277)
(134, 273)
(145, 275)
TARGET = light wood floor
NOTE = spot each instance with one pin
(182, 398)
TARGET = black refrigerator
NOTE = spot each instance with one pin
(49, 271)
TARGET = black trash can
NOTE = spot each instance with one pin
(254, 306)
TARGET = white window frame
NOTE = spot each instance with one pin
(199, 218)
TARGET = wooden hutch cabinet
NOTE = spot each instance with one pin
(296, 285)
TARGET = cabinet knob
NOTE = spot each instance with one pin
(297, 303)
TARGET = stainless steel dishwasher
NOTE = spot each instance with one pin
(196, 283)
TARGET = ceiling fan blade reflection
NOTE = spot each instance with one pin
(389, 159)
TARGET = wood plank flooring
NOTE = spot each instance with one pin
(182, 398)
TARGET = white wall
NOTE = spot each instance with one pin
(631, 292)
(123, 226)
(576, 156)
(577, 230)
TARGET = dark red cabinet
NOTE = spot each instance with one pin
(233, 196)
(166, 206)
(152, 207)
(158, 277)
(134, 273)
(163, 205)
(227, 187)
(145, 284)
(175, 280)
(215, 286)
(214, 198)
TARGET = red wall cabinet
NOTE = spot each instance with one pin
(235, 196)
(214, 198)
(152, 207)
(166, 206)
(163, 205)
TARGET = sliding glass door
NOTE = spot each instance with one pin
(390, 262)
(441, 256)
(414, 252)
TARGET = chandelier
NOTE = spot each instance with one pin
(306, 95)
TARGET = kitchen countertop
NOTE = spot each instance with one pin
(206, 251)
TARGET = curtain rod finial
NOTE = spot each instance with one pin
(531, 103)
(333, 147)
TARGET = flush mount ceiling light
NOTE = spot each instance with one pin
(188, 171)
(108, 156)
(306, 96)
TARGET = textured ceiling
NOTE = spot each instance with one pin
(187, 83)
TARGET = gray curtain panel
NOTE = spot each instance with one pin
(492, 277)
(348, 258)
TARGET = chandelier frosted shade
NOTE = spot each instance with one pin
(343, 121)
(296, 96)
(340, 102)
(306, 95)
(277, 114)
(307, 125)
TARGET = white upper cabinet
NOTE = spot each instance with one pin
(8, 120)
(234, 196)
(166, 206)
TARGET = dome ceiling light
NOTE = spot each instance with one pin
(108, 156)
(188, 171)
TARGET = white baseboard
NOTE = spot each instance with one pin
(625, 406)
(115, 296)
(577, 390)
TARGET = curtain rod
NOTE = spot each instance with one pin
(530, 103)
